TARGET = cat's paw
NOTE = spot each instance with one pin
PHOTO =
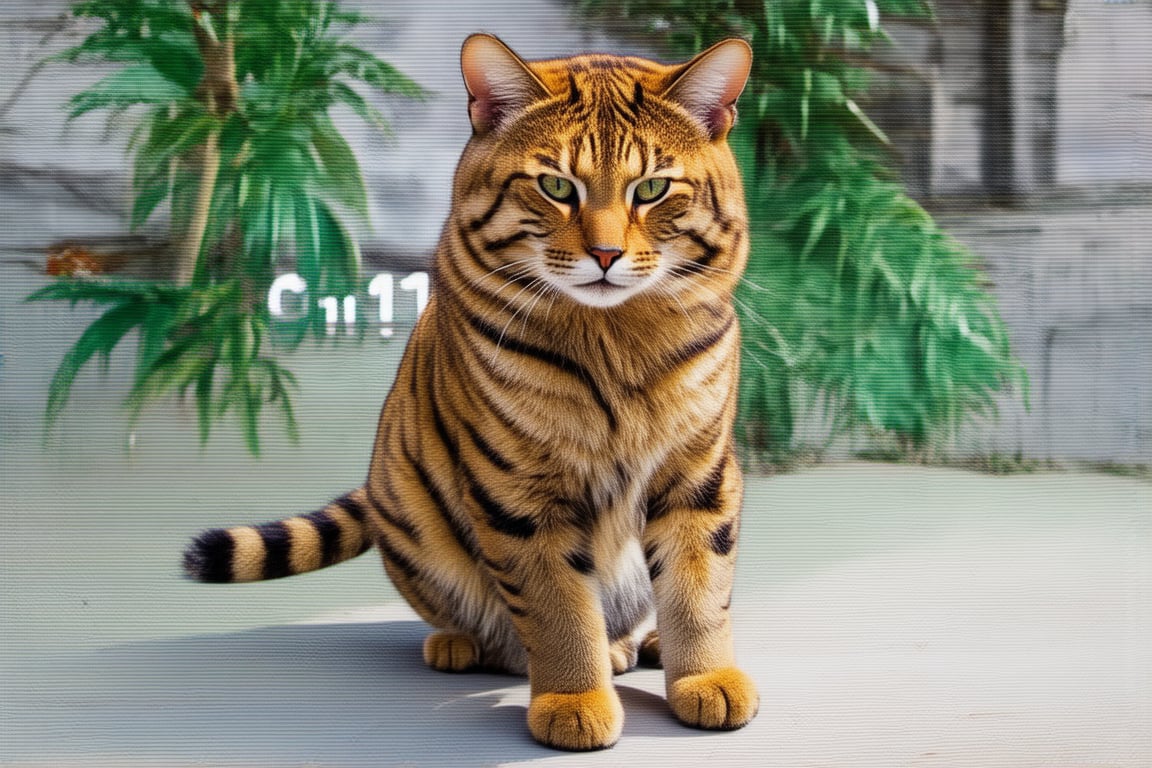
(576, 721)
(623, 654)
(450, 652)
(722, 700)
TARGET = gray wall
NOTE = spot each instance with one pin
(1069, 255)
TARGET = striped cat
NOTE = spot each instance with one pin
(554, 462)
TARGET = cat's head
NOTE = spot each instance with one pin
(601, 178)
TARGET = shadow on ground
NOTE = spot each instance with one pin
(346, 694)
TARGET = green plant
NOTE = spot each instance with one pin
(856, 304)
(236, 137)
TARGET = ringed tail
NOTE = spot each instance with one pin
(331, 535)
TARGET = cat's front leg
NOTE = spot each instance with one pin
(690, 544)
(550, 589)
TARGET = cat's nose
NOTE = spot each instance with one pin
(606, 255)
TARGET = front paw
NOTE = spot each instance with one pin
(450, 652)
(576, 721)
(721, 700)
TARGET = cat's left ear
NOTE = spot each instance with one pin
(499, 83)
(709, 85)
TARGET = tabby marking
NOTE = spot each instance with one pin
(554, 462)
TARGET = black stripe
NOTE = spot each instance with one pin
(506, 341)
(583, 513)
(492, 246)
(516, 611)
(707, 494)
(573, 91)
(655, 564)
(498, 517)
(724, 222)
(441, 429)
(489, 452)
(469, 248)
(547, 161)
(505, 421)
(464, 537)
(209, 557)
(493, 565)
(637, 99)
(277, 545)
(330, 534)
(404, 526)
(711, 252)
(712, 197)
(723, 539)
(499, 201)
(351, 506)
(509, 588)
(701, 344)
(400, 561)
(657, 506)
(481, 286)
(581, 561)
(548, 356)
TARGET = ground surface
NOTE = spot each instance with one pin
(892, 616)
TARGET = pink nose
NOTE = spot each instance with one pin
(606, 255)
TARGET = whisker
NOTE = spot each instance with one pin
(555, 293)
(528, 311)
(502, 267)
(667, 291)
(752, 314)
(504, 330)
(690, 269)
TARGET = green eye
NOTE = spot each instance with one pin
(559, 189)
(651, 190)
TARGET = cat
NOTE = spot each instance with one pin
(554, 462)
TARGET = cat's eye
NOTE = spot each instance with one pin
(650, 190)
(558, 188)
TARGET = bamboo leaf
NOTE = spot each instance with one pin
(137, 84)
(99, 339)
(342, 175)
(874, 129)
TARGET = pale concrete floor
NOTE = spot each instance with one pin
(893, 616)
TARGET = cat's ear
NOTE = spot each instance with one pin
(499, 83)
(708, 85)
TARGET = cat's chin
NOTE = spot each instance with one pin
(601, 294)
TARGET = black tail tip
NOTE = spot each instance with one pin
(208, 558)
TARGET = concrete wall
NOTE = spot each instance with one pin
(1073, 271)
(1075, 288)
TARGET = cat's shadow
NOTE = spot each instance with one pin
(329, 694)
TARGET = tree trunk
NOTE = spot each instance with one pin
(188, 247)
(218, 91)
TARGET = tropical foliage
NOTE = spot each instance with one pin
(857, 308)
(235, 137)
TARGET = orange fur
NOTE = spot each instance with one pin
(554, 461)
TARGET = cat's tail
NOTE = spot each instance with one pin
(331, 535)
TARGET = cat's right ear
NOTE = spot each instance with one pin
(499, 83)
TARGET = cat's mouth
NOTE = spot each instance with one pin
(601, 292)
(602, 284)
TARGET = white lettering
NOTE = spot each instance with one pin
(381, 288)
(289, 282)
(418, 283)
(337, 309)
